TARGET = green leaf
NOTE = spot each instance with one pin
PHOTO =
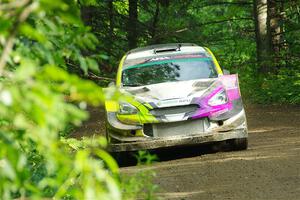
(26, 69)
(32, 33)
(5, 24)
(93, 65)
(83, 65)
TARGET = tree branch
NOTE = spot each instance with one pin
(223, 3)
(10, 41)
(95, 77)
(13, 5)
(225, 20)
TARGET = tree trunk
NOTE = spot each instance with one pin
(263, 35)
(87, 14)
(154, 24)
(165, 3)
(110, 35)
(132, 24)
(276, 29)
(111, 18)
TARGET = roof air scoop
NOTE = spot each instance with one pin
(167, 49)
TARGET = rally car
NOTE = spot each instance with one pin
(175, 95)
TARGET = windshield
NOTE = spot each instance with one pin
(168, 71)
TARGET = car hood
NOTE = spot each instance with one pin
(170, 90)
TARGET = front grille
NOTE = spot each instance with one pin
(174, 110)
(183, 128)
(148, 130)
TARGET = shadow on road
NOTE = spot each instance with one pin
(126, 159)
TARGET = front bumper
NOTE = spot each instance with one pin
(155, 143)
(232, 128)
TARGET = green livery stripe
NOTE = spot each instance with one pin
(166, 61)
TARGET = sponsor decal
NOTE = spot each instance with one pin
(184, 100)
(159, 58)
(174, 102)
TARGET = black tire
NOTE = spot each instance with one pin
(239, 144)
(219, 146)
(124, 158)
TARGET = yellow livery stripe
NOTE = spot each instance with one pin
(119, 73)
(111, 106)
(218, 68)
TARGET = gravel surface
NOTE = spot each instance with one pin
(269, 169)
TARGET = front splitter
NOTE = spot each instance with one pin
(155, 143)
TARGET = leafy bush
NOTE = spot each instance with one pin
(281, 87)
(39, 99)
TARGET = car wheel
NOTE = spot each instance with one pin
(218, 146)
(239, 144)
(124, 158)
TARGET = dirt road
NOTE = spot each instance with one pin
(269, 169)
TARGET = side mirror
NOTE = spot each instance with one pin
(226, 72)
(111, 84)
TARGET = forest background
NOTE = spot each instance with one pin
(56, 55)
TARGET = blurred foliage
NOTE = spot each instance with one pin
(44, 46)
(145, 158)
(141, 182)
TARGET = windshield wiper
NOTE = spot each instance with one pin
(132, 85)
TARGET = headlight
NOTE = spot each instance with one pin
(218, 99)
(127, 109)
